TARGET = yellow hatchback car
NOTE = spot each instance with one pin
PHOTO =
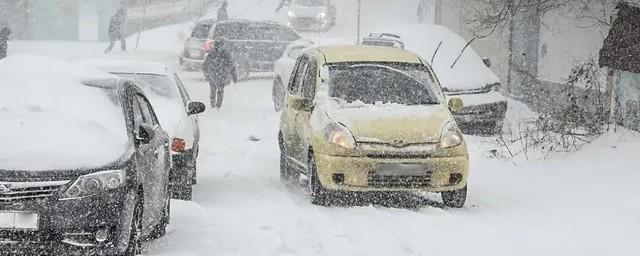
(367, 118)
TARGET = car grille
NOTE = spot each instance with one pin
(378, 181)
(25, 191)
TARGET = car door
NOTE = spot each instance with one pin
(156, 177)
(303, 117)
(288, 117)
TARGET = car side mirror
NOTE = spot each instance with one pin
(145, 134)
(455, 105)
(487, 62)
(195, 108)
(302, 104)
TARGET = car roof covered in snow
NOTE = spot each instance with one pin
(126, 66)
(363, 53)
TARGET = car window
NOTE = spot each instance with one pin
(201, 31)
(183, 91)
(298, 75)
(147, 112)
(310, 79)
(138, 120)
(153, 84)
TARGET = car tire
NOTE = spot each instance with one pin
(455, 198)
(288, 176)
(278, 95)
(318, 194)
(134, 246)
(243, 71)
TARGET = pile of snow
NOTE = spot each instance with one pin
(50, 120)
(423, 39)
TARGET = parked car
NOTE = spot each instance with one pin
(193, 53)
(383, 39)
(84, 166)
(283, 68)
(367, 118)
(470, 79)
(311, 15)
(254, 45)
(178, 115)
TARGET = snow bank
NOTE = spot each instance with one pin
(423, 39)
(50, 120)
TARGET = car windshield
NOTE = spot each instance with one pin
(310, 3)
(159, 85)
(371, 83)
(245, 31)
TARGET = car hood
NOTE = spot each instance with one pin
(390, 123)
(304, 11)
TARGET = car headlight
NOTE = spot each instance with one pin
(291, 14)
(95, 183)
(451, 136)
(322, 15)
(339, 135)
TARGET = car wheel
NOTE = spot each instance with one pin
(278, 95)
(134, 246)
(455, 198)
(288, 176)
(317, 193)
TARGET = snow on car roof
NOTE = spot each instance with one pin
(126, 66)
(469, 73)
(51, 120)
(351, 53)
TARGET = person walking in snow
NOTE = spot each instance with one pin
(117, 30)
(219, 70)
(5, 32)
(222, 12)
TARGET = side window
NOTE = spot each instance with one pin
(183, 91)
(296, 80)
(137, 113)
(147, 111)
(310, 79)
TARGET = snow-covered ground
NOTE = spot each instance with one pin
(584, 203)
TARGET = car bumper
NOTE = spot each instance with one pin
(191, 63)
(308, 24)
(69, 225)
(482, 119)
(358, 174)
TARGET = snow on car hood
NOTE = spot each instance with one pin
(51, 121)
(389, 122)
(423, 39)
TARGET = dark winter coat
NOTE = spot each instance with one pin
(222, 12)
(4, 37)
(218, 67)
(116, 27)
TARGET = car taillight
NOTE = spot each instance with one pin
(178, 145)
(208, 45)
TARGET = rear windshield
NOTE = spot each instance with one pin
(244, 31)
(371, 83)
(310, 3)
(201, 31)
(158, 85)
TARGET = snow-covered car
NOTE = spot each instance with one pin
(369, 119)
(283, 68)
(383, 39)
(84, 166)
(311, 15)
(470, 79)
(254, 45)
(178, 114)
(193, 52)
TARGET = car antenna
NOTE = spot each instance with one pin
(462, 52)
(435, 52)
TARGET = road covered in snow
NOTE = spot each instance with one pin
(584, 203)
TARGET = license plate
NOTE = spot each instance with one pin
(401, 170)
(19, 221)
